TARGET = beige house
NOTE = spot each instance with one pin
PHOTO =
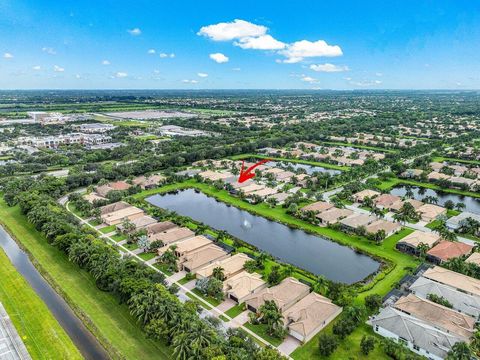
(115, 217)
(92, 197)
(205, 255)
(411, 242)
(242, 285)
(333, 215)
(430, 212)
(139, 223)
(148, 182)
(435, 176)
(440, 316)
(389, 227)
(385, 201)
(397, 206)
(159, 227)
(355, 221)
(309, 316)
(231, 266)
(361, 195)
(456, 280)
(251, 188)
(317, 207)
(285, 294)
(172, 235)
(185, 247)
(113, 207)
(263, 193)
(474, 259)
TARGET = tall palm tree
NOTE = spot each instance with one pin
(218, 273)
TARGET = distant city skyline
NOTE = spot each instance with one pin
(248, 45)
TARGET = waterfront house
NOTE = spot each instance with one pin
(455, 222)
(231, 266)
(355, 221)
(333, 215)
(361, 195)
(242, 285)
(172, 235)
(139, 223)
(389, 227)
(446, 250)
(201, 257)
(317, 207)
(411, 242)
(430, 212)
(385, 201)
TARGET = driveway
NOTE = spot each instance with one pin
(240, 319)
(289, 345)
(227, 304)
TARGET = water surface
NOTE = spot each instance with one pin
(318, 255)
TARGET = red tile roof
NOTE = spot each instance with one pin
(447, 249)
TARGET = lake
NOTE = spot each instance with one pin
(471, 204)
(315, 254)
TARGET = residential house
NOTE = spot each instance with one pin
(117, 216)
(418, 335)
(389, 227)
(159, 227)
(361, 195)
(355, 221)
(172, 235)
(333, 215)
(411, 242)
(385, 201)
(149, 182)
(188, 245)
(446, 250)
(242, 285)
(309, 316)
(263, 193)
(455, 222)
(201, 257)
(446, 319)
(114, 207)
(430, 212)
(317, 207)
(280, 197)
(139, 223)
(460, 301)
(397, 206)
(285, 294)
(93, 196)
(456, 280)
(230, 266)
(435, 176)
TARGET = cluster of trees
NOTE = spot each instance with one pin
(270, 315)
(461, 266)
(144, 290)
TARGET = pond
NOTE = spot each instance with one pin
(315, 254)
(81, 337)
(471, 204)
(310, 169)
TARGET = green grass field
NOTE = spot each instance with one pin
(111, 322)
(235, 311)
(31, 317)
(261, 330)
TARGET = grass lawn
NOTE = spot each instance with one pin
(236, 310)
(208, 299)
(349, 348)
(93, 222)
(110, 322)
(108, 229)
(147, 256)
(118, 237)
(433, 224)
(224, 318)
(131, 247)
(163, 268)
(184, 280)
(299, 161)
(261, 330)
(31, 317)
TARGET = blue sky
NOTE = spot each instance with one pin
(248, 44)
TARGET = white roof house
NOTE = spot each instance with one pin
(454, 222)
(462, 302)
(420, 336)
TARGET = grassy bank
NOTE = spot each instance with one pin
(31, 317)
(298, 161)
(110, 322)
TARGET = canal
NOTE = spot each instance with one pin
(471, 204)
(315, 254)
(81, 337)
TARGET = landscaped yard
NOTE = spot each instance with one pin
(111, 323)
(208, 299)
(184, 280)
(118, 237)
(261, 330)
(33, 320)
(201, 303)
(163, 268)
(108, 229)
(236, 310)
(147, 256)
(132, 246)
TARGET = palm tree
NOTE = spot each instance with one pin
(422, 250)
(321, 284)
(218, 273)
(430, 199)
(460, 206)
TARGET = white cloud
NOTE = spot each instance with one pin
(263, 42)
(121, 74)
(236, 69)
(134, 31)
(7, 55)
(190, 81)
(379, 74)
(232, 30)
(165, 55)
(105, 62)
(299, 50)
(203, 75)
(49, 50)
(151, 51)
(156, 71)
(36, 67)
(77, 76)
(328, 68)
(219, 58)
(348, 78)
(309, 79)
(57, 68)
(378, 82)
(366, 83)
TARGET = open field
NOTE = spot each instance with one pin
(33, 320)
(109, 321)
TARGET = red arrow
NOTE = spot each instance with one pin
(247, 174)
